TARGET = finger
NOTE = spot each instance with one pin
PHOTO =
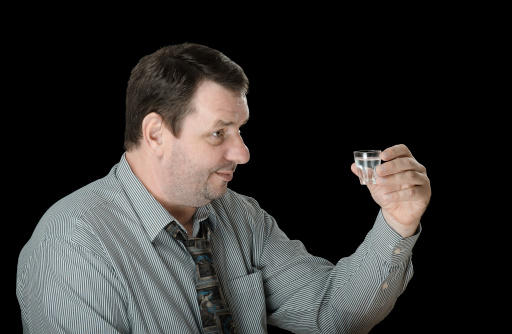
(394, 152)
(399, 165)
(410, 177)
(408, 194)
(353, 168)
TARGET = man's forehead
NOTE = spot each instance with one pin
(215, 105)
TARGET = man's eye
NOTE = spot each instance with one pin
(219, 133)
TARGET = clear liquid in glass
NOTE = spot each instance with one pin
(366, 169)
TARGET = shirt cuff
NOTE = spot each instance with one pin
(390, 245)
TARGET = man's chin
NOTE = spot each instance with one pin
(217, 192)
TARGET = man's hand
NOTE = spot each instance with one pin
(402, 189)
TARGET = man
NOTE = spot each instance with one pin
(162, 245)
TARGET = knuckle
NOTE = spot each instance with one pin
(411, 162)
(410, 192)
(392, 164)
(421, 168)
(411, 175)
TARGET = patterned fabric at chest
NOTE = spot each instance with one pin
(215, 314)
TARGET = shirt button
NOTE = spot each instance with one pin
(385, 285)
(397, 251)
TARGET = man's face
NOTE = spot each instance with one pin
(201, 162)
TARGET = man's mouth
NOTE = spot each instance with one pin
(226, 176)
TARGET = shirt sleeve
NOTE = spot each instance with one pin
(65, 288)
(308, 294)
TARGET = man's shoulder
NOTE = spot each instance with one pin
(61, 219)
(63, 224)
(90, 197)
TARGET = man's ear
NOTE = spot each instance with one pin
(152, 133)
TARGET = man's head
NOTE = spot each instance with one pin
(165, 82)
(185, 107)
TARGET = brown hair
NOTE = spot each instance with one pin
(165, 81)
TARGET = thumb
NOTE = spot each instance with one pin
(353, 168)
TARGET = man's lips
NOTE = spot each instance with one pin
(226, 176)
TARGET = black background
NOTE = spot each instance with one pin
(318, 91)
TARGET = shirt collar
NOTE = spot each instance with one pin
(153, 216)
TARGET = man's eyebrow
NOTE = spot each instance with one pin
(224, 123)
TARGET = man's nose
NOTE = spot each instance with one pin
(237, 151)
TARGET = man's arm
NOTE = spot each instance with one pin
(307, 294)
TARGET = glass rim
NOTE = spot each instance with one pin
(367, 151)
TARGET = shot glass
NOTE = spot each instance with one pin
(366, 163)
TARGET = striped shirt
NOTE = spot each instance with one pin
(101, 261)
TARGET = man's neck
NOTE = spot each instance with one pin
(183, 214)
